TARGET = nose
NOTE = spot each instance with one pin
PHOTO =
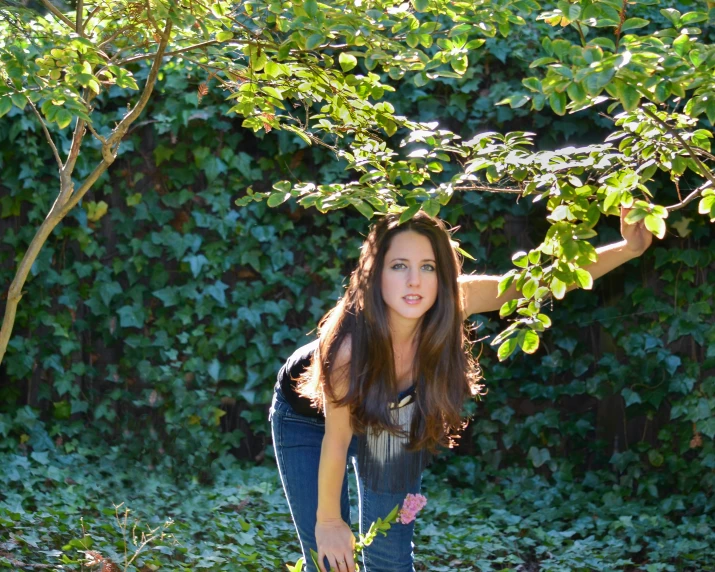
(413, 277)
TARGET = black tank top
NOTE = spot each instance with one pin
(387, 464)
(293, 367)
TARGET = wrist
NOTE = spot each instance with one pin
(633, 250)
(327, 517)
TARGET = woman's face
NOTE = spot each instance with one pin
(409, 276)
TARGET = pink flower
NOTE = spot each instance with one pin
(412, 505)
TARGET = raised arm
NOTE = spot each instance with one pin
(480, 291)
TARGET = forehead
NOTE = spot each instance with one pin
(410, 244)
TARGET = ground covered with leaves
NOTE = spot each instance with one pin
(58, 512)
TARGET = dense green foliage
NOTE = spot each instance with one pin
(271, 55)
(63, 514)
(158, 314)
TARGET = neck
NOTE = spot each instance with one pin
(402, 331)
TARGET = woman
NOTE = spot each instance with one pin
(383, 386)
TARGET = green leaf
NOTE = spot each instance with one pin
(19, 100)
(420, 5)
(538, 456)
(96, 211)
(584, 278)
(530, 342)
(628, 96)
(557, 101)
(655, 224)
(707, 205)
(544, 319)
(5, 105)
(408, 213)
(508, 308)
(520, 259)
(364, 208)
(131, 317)
(224, 36)
(630, 396)
(276, 199)
(612, 199)
(541, 293)
(169, 296)
(558, 288)
(655, 457)
(134, 199)
(272, 92)
(634, 24)
(347, 61)
(311, 8)
(692, 18)
(431, 207)
(673, 15)
(298, 132)
(530, 288)
(272, 69)
(504, 284)
(63, 118)
(636, 214)
(506, 349)
(313, 41)
(576, 92)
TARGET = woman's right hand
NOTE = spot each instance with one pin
(336, 542)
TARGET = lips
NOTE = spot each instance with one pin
(412, 298)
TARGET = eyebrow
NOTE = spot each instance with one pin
(407, 260)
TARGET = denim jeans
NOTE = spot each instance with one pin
(297, 440)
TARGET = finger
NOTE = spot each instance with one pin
(321, 561)
(350, 561)
(334, 562)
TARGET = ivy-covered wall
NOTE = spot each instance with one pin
(158, 314)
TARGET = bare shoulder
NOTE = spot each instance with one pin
(340, 372)
(344, 352)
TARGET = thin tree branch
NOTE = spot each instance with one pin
(693, 155)
(690, 198)
(174, 53)
(47, 134)
(580, 33)
(86, 185)
(77, 136)
(113, 36)
(78, 19)
(91, 15)
(52, 8)
(66, 199)
(121, 129)
(101, 139)
(488, 189)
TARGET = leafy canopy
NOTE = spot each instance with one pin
(321, 70)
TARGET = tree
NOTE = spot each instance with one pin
(660, 77)
(269, 54)
(286, 65)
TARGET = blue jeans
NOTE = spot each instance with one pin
(297, 440)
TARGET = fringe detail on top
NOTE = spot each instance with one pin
(385, 464)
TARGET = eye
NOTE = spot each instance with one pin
(429, 267)
(398, 266)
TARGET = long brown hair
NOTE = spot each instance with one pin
(446, 371)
